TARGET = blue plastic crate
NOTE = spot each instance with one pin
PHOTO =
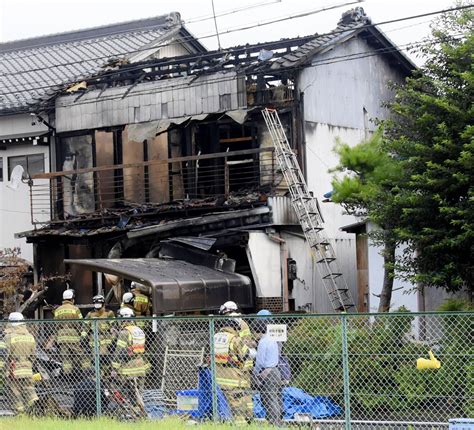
(461, 424)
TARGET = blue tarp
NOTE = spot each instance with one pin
(295, 401)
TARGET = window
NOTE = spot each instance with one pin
(32, 164)
(1, 169)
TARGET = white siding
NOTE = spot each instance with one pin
(339, 98)
(264, 257)
(15, 204)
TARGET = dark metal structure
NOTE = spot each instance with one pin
(175, 285)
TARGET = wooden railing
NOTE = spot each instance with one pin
(74, 194)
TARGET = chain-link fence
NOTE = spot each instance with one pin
(401, 370)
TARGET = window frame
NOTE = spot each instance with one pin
(27, 163)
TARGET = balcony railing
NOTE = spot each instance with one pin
(277, 95)
(85, 193)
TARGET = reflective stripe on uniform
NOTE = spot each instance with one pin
(133, 372)
(244, 333)
(22, 338)
(61, 312)
(122, 343)
(23, 372)
(248, 364)
(68, 339)
(232, 382)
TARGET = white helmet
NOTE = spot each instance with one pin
(126, 313)
(127, 298)
(135, 285)
(228, 307)
(16, 318)
(68, 294)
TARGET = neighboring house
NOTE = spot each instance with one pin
(31, 70)
(171, 157)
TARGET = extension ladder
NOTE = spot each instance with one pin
(309, 216)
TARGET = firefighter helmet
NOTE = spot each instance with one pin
(126, 313)
(228, 307)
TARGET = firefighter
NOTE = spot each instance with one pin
(127, 302)
(230, 308)
(141, 302)
(17, 352)
(104, 330)
(233, 364)
(70, 335)
(128, 363)
(138, 303)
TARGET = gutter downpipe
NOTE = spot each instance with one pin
(284, 269)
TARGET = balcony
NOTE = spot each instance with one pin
(279, 95)
(156, 185)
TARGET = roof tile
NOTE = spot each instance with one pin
(30, 68)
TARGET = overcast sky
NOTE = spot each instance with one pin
(20, 19)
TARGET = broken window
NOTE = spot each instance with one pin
(77, 189)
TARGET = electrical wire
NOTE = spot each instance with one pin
(229, 12)
(316, 63)
(334, 32)
(183, 39)
(139, 67)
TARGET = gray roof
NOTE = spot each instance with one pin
(352, 23)
(32, 70)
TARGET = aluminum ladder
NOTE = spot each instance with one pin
(309, 216)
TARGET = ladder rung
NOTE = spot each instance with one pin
(322, 244)
(339, 290)
(332, 276)
(326, 259)
(344, 307)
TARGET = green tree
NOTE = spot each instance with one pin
(415, 179)
(371, 190)
(431, 134)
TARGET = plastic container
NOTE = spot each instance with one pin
(461, 424)
(188, 402)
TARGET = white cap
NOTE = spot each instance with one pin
(126, 313)
(16, 318)
(228, 307)
(127, 298)
(68, 294)
(134, 285)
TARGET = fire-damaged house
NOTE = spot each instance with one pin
(167, 162)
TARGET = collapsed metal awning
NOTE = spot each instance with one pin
(175, 285)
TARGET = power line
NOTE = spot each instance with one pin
(342, 58)
(215, 24)
(229, 12)
(197, 56)
(317, 63)
(184, 39)
(157, 63)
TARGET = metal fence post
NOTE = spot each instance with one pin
(215, 413)
(345, 370)
(97, 368)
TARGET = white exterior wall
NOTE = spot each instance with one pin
(15, 204)
(403, 294)
(264, 258)
(340, 99)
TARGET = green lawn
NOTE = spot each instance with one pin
(25, 423)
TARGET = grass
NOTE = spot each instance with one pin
(25, 423)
